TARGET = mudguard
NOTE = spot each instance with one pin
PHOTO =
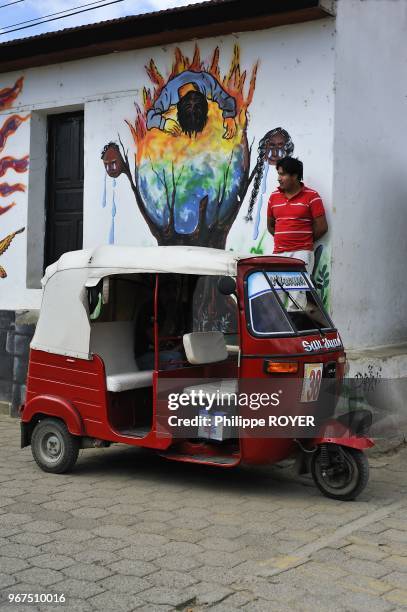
(335, 432)
(54, 407)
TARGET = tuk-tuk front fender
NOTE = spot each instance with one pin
(335, 432)
(350, 441)
(49, 405)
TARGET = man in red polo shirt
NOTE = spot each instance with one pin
(295, 214)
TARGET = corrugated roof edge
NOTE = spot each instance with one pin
(194, 21)
(118, 20)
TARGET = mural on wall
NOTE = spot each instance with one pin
(9, 126)
(192, 158)
(274, 145)
(190, 168)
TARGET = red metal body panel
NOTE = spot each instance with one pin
(273, 261)
(261, 451)
(65, 386)
(78, 382)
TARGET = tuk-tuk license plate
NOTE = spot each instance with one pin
(312, 382)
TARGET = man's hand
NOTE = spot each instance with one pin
(319, 227)
(230, 128)
(172, 127)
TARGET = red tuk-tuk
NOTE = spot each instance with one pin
(121, 327)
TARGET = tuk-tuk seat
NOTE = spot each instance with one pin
(225, 387)
(205, 347)
(113, 342)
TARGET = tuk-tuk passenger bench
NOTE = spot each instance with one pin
(113, 342)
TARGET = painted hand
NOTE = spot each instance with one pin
(230, 128)
(172, 127)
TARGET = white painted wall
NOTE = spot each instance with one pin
(294, 90)
(369, 214)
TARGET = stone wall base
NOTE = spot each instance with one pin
(5, 408)
(16, 331)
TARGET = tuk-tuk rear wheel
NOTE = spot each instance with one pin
(344, 476)
(53, 447)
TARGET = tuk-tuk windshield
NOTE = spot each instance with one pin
(284, 303)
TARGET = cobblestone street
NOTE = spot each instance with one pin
(128, 530)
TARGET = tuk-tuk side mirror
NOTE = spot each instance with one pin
(226, 285)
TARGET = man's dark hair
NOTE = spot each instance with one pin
(192, 112)
(292, 166)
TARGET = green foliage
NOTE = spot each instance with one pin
(259, 248)
(322, 278)
(322, 283)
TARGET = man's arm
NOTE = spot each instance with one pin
(271, 225)
(319, 227)
(271, 220)
(155, 117)
(319, 224)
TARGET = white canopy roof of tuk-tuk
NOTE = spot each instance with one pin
(64, 327)
(106, 260)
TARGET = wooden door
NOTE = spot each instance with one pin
(64, 210)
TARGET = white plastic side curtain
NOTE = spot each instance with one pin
(63, 326)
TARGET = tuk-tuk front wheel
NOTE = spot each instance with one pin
(340, 472)
(53, 447)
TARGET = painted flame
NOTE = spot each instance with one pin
(233, 82)
(18, 165)
(9, 127)
(6, 189)
(9, 94)
(4, 209)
